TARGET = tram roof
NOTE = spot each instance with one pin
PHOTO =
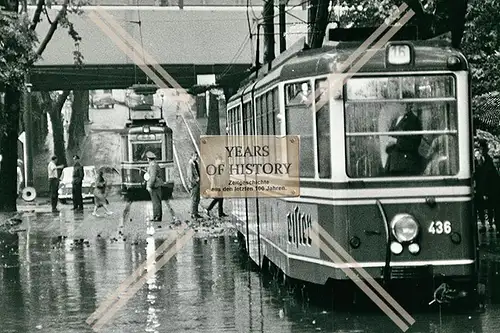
(428, 55)
(137, 128)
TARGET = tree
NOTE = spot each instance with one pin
(432, 17)
(482, 45)
(53, 103)
(77, 122)
(213, 126)
(17, 55)
(86, 105)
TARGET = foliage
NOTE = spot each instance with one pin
(486, 114)
(17, 43)
(431, 17)
(366, 12)
(482, 45)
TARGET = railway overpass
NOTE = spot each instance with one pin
(184, 42)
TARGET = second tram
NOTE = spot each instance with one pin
(385, 164)
(145, 131)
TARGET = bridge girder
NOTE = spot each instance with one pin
(46, 78)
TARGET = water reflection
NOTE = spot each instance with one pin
(12, 304)
(56, 284)
(152, 322)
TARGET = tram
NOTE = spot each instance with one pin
(385, 162)
(145, 130)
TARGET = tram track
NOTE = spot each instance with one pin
(185, 133)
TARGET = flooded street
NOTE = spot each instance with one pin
(57, 270)
(50, 284)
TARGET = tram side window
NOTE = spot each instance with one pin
(299, 121)
(239, 127)
(265, 107)
(246, 113)
(270, 112)
(258, 114)
(422, 110)
(323, 128)
(140, 149)
(276, 111)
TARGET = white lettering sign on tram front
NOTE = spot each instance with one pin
(249, 166)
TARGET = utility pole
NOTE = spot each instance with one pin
(28, 131)
(268, 14)
(318, 21)
(282, 17)
(311, 19)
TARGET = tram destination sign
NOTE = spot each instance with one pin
(249, 166)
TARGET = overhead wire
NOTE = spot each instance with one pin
(237, 54)
(249, 37)
(140, 34)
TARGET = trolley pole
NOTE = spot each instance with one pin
(268, 14)
(282, 18)
(257, 51)
(28, 132)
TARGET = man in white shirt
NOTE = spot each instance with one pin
(52, 170)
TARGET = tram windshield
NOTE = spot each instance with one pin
(401, 126)
(139, 150)
(134, 100)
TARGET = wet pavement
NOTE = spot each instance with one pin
(56, 269)
(55, 274)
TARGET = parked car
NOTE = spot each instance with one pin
(66, 187)
(102, 99)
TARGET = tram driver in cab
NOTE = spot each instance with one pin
(403, 157)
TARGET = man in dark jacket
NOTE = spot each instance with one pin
(154, 185)
(78, 175)
(193, 175)
(403, 157)
(485, 180)
(496, 191)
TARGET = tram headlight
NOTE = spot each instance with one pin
(396, 248)
(404, 227)
(414, 248)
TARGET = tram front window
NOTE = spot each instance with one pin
(135, 100)
(401, 126)
(140, 149)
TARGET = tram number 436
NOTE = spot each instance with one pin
(439, 227)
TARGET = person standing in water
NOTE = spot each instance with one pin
(100, 195)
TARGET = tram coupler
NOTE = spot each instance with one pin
(445, 294)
